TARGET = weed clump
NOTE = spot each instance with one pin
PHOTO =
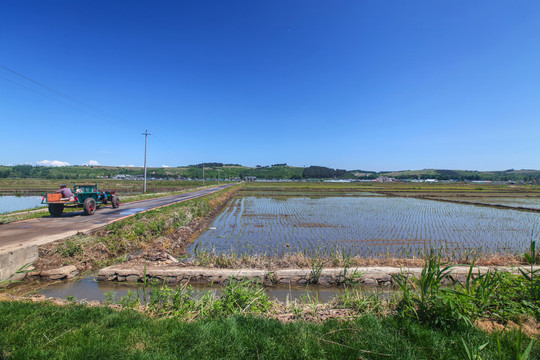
(236, 297)
(499, 296)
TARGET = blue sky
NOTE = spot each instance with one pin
(376, 85)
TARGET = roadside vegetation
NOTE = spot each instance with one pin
(151, 231)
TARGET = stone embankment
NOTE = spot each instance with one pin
(61, 273)
(373, 276)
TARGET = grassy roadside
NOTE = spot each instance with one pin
(113, 242)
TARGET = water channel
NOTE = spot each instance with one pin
(90, 289)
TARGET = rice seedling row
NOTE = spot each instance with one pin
(531, 203)
(364, 226)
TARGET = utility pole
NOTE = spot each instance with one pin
(145, 148)
(203, 174)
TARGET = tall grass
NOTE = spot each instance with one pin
(499, 296)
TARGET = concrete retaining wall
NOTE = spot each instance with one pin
(375, 276)
(13, 259)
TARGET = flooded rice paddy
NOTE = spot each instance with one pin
(15, 203)
(366, 226)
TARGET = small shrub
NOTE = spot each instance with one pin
(69, 248)
(130, 300)
(241, 297)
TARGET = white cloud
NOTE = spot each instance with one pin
(52, 163)
(165, 166)
(92, 163)
(126, 165)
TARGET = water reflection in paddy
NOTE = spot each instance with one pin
(365, 226)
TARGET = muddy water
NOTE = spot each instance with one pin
(89, 289)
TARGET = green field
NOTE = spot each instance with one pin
(398, 188)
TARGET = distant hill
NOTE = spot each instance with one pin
(276, 171)
(441, 174)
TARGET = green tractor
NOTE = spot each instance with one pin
(89, 197)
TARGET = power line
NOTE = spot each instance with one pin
(43, 94)
(50, 88)
(100, 113)
(173, 150)
(96, 112)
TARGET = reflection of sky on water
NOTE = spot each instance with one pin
(132, 211)
(89, 289)
(15, 203)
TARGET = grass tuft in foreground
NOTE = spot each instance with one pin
(46, 331)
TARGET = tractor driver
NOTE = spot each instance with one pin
(65, 191)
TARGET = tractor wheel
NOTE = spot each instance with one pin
(89, 206)
(56, 209)
(115, 202)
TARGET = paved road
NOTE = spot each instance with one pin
(48, 229)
